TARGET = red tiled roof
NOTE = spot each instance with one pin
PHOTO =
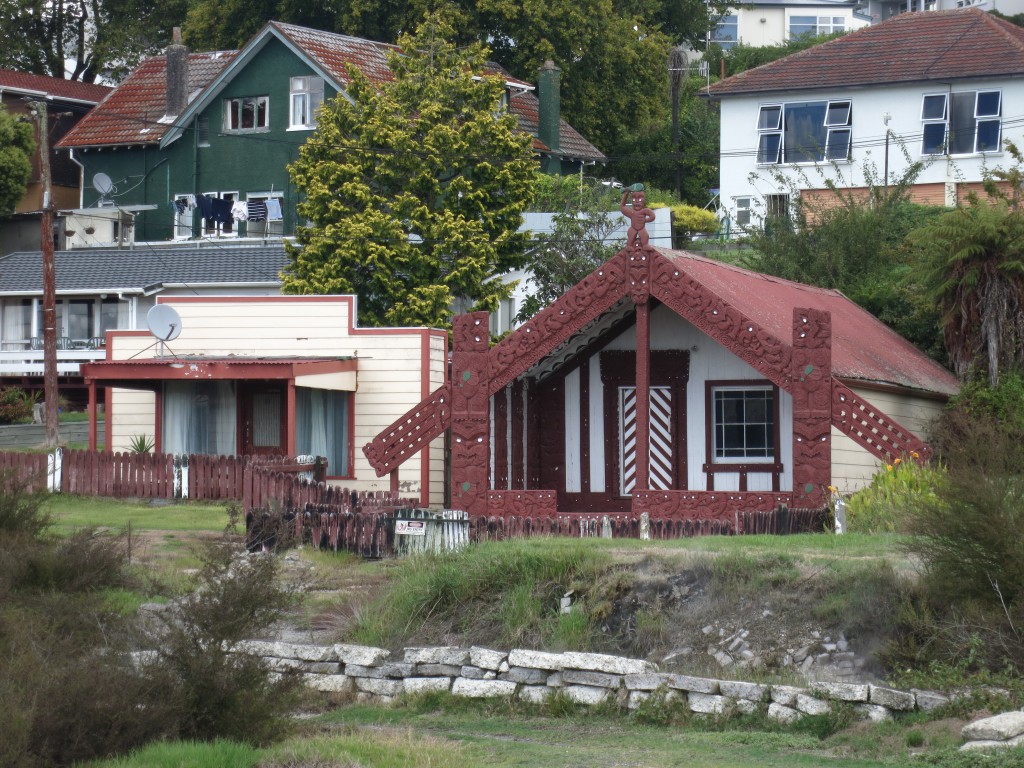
(863, 348)
(911, 47)
(56, 87)
(131, 114)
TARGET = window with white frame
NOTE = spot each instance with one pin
(307, 94)
(247, 113)
(743, 207)
(743, 424)
(804, 132)
(811, 26)
(183, 205)
(265, 217)
(961, 123)
(726, 32)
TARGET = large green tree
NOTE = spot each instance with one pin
(84, 40)
(414, 190)
(16, 149)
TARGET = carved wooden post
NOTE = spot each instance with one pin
(812, 406)
(471, 423)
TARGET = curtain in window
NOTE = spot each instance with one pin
(321, 427)
(200, 417)
(17, 322)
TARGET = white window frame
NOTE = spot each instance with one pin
(235, 109)
(183, 221)
(823, 25)
(770, 426)
(306, 94)
(217, 230)
(269, 228)
(931, 119)
(837, 125)
(730, 22)
(744, 210)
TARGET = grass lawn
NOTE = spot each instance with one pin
(72, 512)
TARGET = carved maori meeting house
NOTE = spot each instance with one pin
(673, 384)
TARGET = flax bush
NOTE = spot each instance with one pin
(886, 505)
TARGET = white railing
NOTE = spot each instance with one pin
(29, 362)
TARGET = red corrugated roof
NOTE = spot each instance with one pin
(131, 114)
(53, 86)
(863, 348)
(934, 46)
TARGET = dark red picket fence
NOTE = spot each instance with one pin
(363, 528)
(29, 469)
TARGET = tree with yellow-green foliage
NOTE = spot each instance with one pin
(414, 190)
(16, 149)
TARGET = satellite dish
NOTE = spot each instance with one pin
(164, 322)
(102, 183)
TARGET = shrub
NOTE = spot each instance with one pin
(22, 508)
(688, 220)
(886, 504)
(15, 405)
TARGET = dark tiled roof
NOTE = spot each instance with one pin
(91, 93)
(144, 269)
(933, 46)
(863, 348)
(131, 114)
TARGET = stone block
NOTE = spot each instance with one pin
(485, 658)
(600, 662)
(305, 652)
(363, 655)
(358, 670)
(841, 691)
(285, 665)
(693, 684)
(596, 679)
(586, 694)
(785, 694)
(747, 707)
(536, 694)
(876, 713)
(995, 728)
(397, 669)
(537, 659)
(255, 647)
(474, 673)
(555, 680)
(647, 682)
(439, 655)
(706, 704)
(438, 670)
(901, 701)
(636, 698)
(330, 683)
(812, 706)
(929, 700)
(324, 668)
(526, 675)
(380, 687)
(735, 689)
(783, 713)
(482, 689)
(428, 684)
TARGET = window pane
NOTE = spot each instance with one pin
(838, 147)
(108, 315)
(934, 107)
(248, 114)
(934, 138)
(768, 148)
(838, 113)
(262, 120)
(988, 136)
(961, 124)
(805, 132)
(802, 25)
(747, 430)
(770, 118)
(988, 104)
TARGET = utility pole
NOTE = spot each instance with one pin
(50, 394)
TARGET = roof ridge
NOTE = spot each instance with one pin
(673, 253)
(1009, 30)
(284, 25)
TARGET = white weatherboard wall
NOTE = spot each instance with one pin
(762, 25)
(389, 379)
(741, 176)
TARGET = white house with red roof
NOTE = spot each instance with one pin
(944, 88)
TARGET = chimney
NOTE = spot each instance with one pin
(177, 75)
(549, 112)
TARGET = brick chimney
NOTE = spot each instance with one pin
(549, 95)
(177, 75)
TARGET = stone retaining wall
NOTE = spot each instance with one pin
(371, 674)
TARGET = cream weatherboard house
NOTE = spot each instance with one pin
(277, 375)
(945, 89)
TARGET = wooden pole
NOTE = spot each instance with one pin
(50, 392)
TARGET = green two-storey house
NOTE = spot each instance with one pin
(197, 145)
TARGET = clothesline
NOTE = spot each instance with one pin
(225, 211)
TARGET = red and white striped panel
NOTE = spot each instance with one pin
(660, 463)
